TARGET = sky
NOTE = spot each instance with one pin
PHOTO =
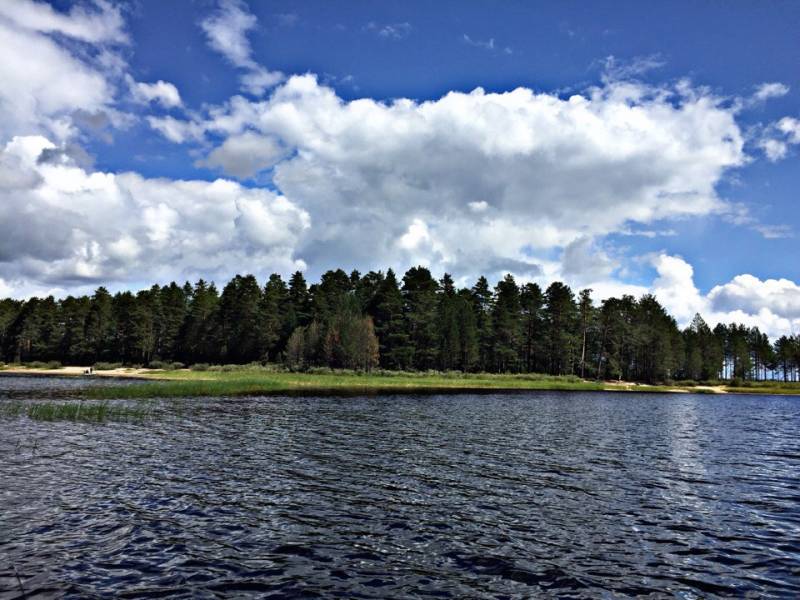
(625, 147)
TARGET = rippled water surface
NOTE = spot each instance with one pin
(477, 496)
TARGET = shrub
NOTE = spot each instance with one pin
(200, 367)
(164, 365)
(39, 364)
(107, 366)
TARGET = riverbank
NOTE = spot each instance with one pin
(254, 380)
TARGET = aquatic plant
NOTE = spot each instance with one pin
(78, 410)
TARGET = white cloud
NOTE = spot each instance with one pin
(774, 149)
(394, 31)
(161, 92)
(765, 91)
(774, 232)
(791, 128)
(68, 227)
(772, 305)
(245, 155)
(176, 130)
(778, 137)
(44, 85)
(478, 206)
(105, 24)
(259, 80)
(226, 30)
(553, 170)
(486, 44)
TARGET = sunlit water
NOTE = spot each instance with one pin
(473, 496)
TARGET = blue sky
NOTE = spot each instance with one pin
(676, 173)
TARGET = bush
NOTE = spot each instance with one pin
(39, 364)
(164, 365)
(106, 366)
(199, 367)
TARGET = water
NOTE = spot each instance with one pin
(479, 496)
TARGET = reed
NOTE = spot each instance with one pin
(88, 411)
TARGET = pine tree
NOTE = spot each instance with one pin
(560, 325)
(531, 302)
(482, 303)
(507, 332)
(390, 324)
(419, 296)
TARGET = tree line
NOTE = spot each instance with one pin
(415, 323)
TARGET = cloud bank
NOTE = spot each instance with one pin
(473, 182)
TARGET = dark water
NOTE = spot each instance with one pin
(491, 496)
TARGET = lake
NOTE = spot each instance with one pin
(464, 496)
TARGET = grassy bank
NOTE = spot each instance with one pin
(254, 381)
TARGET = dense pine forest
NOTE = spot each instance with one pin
(417, 323)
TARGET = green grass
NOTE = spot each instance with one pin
(79, 411)
(266, 382)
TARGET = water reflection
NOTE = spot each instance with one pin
(575, 495)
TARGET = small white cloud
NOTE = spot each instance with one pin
(485, 44)
(615, 69)
(226, 30)
(775, 150)
(162, 92)
(393, 31)
(479, 206)
(176, 130)
(791, 128)
(488, 45)
(765, 91)
(416, 234)
(773, 232)
(778, 137)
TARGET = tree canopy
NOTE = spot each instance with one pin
(379, 320)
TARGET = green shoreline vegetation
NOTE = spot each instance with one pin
(255, 381)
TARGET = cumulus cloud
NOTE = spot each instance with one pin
(44, 84)
(772, 305)
(552, 169)
(66, 226)
(226, 30)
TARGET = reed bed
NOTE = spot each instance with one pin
(87, 411)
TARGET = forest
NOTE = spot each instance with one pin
(374, 320)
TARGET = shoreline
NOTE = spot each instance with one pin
(250, 382)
